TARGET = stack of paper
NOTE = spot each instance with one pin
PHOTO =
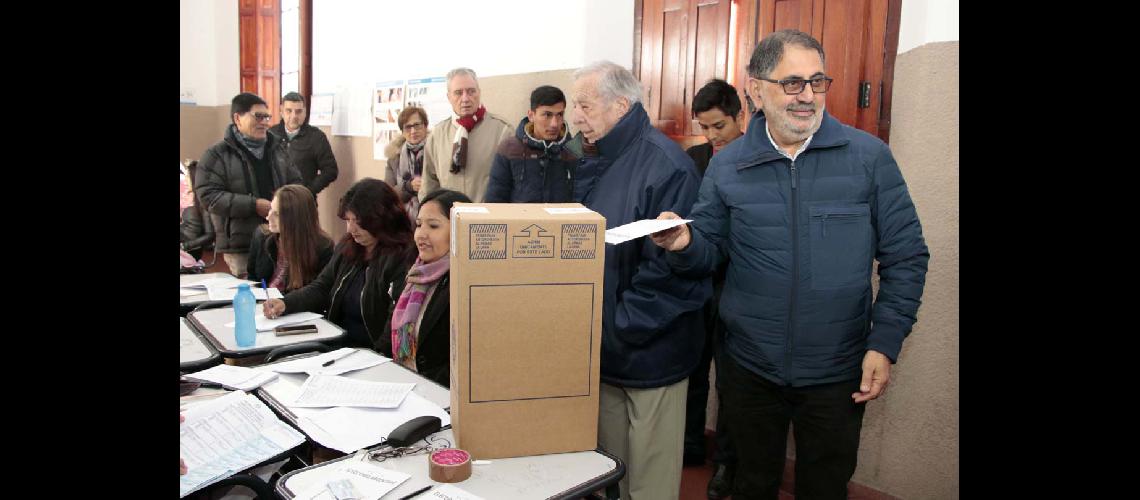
(321, 391)
(228, 435)
(235, 377)
(344, 360)
(349, 429)
(203, 286)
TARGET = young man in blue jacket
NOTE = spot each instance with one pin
(802, 206)
(535, 166)
(652, 328)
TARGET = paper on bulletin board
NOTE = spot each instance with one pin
(387, 102)
(352, 111)
(322, 110)
(431, 95)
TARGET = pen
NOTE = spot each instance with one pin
(264, 288)
(417, 492)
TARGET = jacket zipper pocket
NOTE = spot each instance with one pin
(840, 216)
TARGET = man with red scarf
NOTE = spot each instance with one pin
(460, 150)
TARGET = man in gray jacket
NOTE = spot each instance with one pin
(237, 177)
(460, 149)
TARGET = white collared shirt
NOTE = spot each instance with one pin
(781, 150)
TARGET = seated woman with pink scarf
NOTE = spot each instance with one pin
(420, 337)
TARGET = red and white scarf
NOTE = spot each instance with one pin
(459, 142)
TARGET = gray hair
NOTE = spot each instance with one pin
(462, 72)
(613, 82)
(771, 49)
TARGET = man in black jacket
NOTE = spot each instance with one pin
(237, 177)
(306, 148)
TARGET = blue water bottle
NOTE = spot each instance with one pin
(244, 329)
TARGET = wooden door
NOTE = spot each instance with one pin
(683, 44)
(260, 45)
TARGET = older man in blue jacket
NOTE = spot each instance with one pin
(652, 328)
(801, 206)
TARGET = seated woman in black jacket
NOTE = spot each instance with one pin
(357, 289)
(420, 338)
(294, 249)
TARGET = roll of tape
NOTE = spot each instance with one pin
(449, 465)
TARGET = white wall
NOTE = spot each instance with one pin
(925, 21)
(208, 59)
(361, 42)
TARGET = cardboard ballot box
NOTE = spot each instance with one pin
(526, 327)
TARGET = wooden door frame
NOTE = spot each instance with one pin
(305, 78)
(890, 52)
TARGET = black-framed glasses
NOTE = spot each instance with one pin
(408, 127)
(429, 444)
(261, 117)
(793, 86)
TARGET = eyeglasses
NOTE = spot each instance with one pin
(429, 444)
(409, 127)
(794, 86)
(262, 117)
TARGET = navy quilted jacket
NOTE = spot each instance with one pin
(801, 240)
(652, 327)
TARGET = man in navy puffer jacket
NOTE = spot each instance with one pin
(801, 207)
(652, 325)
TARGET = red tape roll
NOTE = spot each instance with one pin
(449, 465)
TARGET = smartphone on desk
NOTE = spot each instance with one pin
(294, 330)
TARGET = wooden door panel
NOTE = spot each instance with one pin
(843, 43)
(875, 51)
(260, 44)
(673, 68)
(709, 46)
(785, 14)
(248, 54)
